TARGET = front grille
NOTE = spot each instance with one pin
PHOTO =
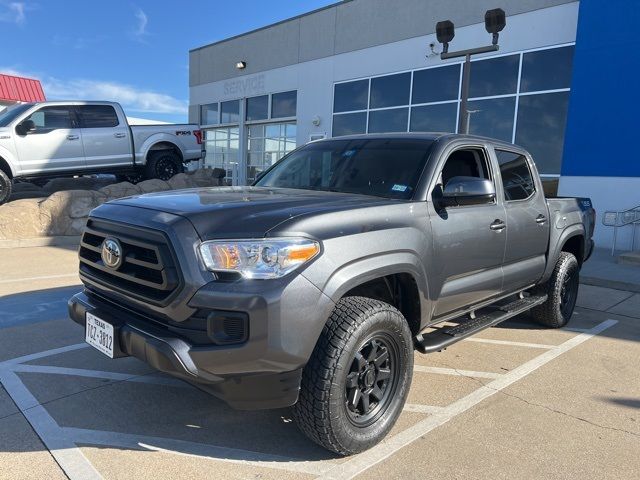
(148, 271)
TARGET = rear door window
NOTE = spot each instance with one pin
(97, 116)
(517, 180)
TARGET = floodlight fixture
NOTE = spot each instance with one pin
(445, 31)
(495, 21)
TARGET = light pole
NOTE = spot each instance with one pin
(494, 22)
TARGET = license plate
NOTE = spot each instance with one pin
(99, 334)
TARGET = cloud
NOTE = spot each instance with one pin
(13, 12)
(133, 99)
(141, 28)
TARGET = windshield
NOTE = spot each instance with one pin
(384, 167)
(10, 114)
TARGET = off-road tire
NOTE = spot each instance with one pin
(6, 186)
(163, 165)
(323, 412)
(562, 291)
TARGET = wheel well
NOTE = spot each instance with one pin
(4, 166)
(399, 290)
(575, 245)
(162, 146)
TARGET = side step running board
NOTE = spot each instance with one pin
(445, 336)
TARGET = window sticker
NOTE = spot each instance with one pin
(399, 188)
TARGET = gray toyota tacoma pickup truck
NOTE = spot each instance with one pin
(313, 287)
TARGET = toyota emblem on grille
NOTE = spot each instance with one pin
(111, 253)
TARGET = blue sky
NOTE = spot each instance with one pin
(132, 52)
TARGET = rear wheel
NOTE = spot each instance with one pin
(5, 187)
(163, 165)
(562, 291)
(357, 380)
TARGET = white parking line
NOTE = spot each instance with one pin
(509, 343)
(456, 372)
(384, 450)
(199, 450)
(46, 353)
(81, 372)
(44, 277)
(417, 408)
(69, 457)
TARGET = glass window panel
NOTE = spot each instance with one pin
(351, 96)
(97, 116)
(434, 118)
(53, 117)
(256, 131)
(222, 134)
(230, 111)
(258, 108)
(284, 104)
(540, 129)
(272, 131)
(494, 76)
(291, 130)
(390, 90)
(436, 84)
(394, 120)
(255, 159)
(256, 144)
(349, 124)
(492, 118)
(517, 181)
(547, 69)
(209, 114)
(271, 144)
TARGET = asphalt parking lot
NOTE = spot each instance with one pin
(516, 401)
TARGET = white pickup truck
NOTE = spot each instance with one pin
(53, 139)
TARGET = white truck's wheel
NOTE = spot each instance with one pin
(5, 187)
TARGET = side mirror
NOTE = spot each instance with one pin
(25, 127)
(468, 191)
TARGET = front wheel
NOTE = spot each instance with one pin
(562, 291)
(5, 187)
(355, 385)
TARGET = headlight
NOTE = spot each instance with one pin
(262, 258)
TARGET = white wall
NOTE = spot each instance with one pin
(314, 80)
(606, 193)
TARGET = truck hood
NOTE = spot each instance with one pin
(247, 212)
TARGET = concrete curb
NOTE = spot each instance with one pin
(602, 282)
(58, 241)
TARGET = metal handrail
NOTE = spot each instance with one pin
(620, 219)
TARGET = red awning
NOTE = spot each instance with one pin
(20, 89)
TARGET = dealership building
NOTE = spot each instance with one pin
(558, 86)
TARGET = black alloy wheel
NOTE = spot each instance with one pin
(371, 380)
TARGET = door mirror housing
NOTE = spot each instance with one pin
(25, 127)
(468, 191)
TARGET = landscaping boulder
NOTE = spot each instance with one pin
(64, 213)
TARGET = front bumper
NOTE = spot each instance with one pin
(264, 372)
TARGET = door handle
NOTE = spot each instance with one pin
(498, 225)
(540, 219)
(73, 137)
(119, 135)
